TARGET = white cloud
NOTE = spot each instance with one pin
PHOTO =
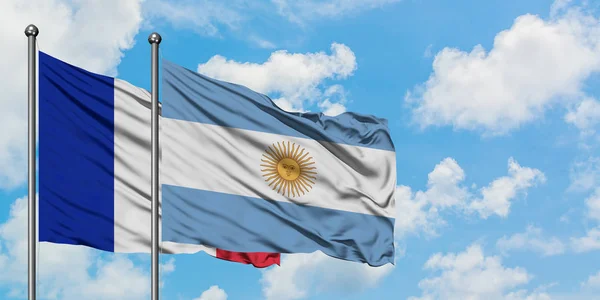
(591, 241)
(415, 214)
(587, 243)
(496, 196)
(593, 205)
(525, 295)
(532, 66)
(213, 293)
(166, 268)
(586, 116)
(585, 175)
(303, 274)
(116, 278)
(559, 6)
(532, 239)
(287, 105)
(486, 276)
(302, 11)
(262, 43)
(428, 51)
(70, 30)
(295, 77)
(335, 98)
(66, 271)
(593, 282)
(214, 18)
(443, 184)
(201, 16)
(331, 109)
(420, 211)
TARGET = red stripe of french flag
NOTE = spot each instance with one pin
(257, 259)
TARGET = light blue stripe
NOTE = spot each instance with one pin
(247, 224)
(190, 96)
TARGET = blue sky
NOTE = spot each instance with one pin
(493, 108)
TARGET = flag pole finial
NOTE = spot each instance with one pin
(32, 30)
(154, 38)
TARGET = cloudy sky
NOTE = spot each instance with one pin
(492, 105)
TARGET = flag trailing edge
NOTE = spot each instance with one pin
(94, 165)
(263, 179)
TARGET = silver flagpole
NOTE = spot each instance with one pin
(154, 39)
(31, 32)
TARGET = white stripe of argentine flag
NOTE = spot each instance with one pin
(241, 174)
(94, 165)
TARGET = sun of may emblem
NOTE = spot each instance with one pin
(289, 169)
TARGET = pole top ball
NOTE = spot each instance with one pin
(154, 38)
(31, 30)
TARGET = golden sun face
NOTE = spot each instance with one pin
(288, 169)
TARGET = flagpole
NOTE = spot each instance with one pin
(31, 32)
(154, 39)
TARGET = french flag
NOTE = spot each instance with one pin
(95, 163)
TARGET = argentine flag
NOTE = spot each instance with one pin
(239, 173)
(95, 163)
